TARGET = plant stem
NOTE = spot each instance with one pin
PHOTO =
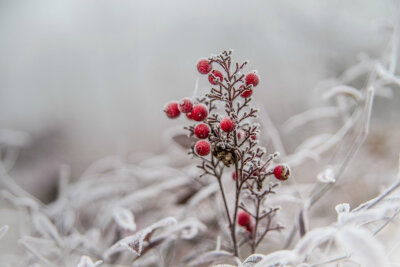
(253, 246)
(225, 203)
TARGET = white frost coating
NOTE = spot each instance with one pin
(279, 258)
(33, 250)
(45, 247)
(308, 116)
(86, 261)
(313, 239)
(202, 194)
(46, 228)
(124, 218)
(313, 142)
(363, 248)
(3, 231)
(135, 242)
(196, 89)
(210, 257)
(14, 138)
(188, 228)
(343, 90)
(151, 191)
(326, 176)
(343, 207)
(387, 76)
(252, 260)
(360, 218)
(20, 202)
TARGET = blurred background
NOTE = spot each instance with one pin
(88, 79)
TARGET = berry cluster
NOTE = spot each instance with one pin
(228, 136)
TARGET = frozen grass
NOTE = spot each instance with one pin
(153, 210)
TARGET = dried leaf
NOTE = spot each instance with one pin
(135, 242)
(252, 260)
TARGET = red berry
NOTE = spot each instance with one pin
(202, 148)
(249, 228)
(189, 116)
(239, 135)
(185, 105)
(282, 172)
(227, 125)
(203, 66)
(218, 76)
(171, 109)
(234, 175)
(244, 219)
(252, 78)
(199, 112)
(246, 93)
(254, 137)
(202, 130)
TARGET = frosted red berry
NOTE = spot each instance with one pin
(282, 172)
(202, 131)
(189, 116)
(227, 125)
(252, 78)
(199, 112)
(249, 228)
(244, 219)
(171, 110)
(234, 175)
(218, 76)
(246, 93)
(239, 135)
(202, 148)
(185, 105)
(254, 137)
(204, 66)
